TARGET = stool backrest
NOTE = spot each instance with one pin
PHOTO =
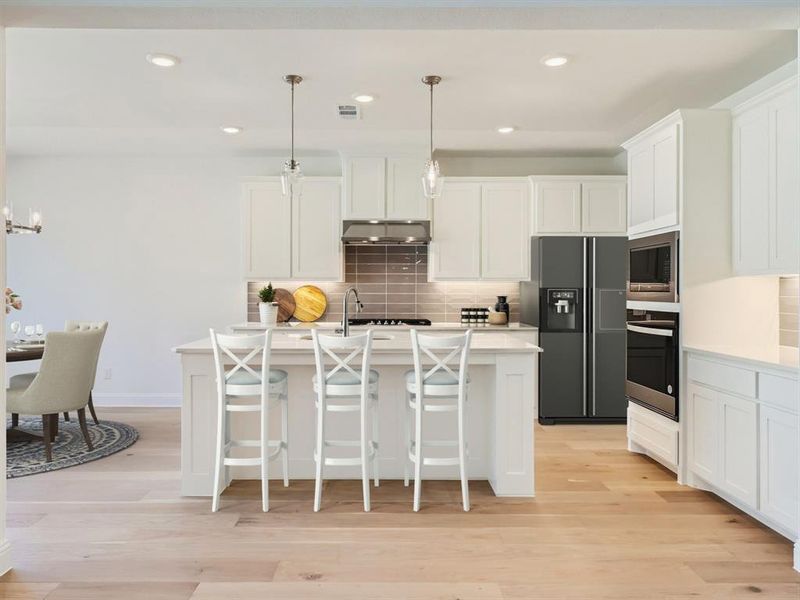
(443, 351)
(342, 351)
(252, 348)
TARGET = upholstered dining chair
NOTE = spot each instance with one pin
(62, 384)
(87, 326)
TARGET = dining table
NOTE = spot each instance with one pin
(18, 351)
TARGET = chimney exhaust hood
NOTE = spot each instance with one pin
(385, 233)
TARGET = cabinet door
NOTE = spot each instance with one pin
(505, 238)
(365, 187)
(604, 204)
(558, 206)
(640, 187)
(267, 222)
(778, 465)
(456, 243)
(785, 206)
(316, 231)
(665, 178)
(738, 430)
(703, 438)
(405, 198)
(751, 175)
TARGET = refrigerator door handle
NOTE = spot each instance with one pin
(594, 326)
(585, 397)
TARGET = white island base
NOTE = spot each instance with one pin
(502, 408)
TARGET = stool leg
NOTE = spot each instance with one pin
(418, 451)
(364, 464)
(285, 436)
(462, 459)
(375, 438)
(265, 448)
(407, 436)
(220, 459)
(320, 450)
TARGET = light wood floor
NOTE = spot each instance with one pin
(606, 524)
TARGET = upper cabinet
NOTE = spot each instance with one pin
(653, 174)
(376, 187)
(766, 184)
(292, 239)
(578, 205)
(480, 230)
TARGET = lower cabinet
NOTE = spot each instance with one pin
(743, 437)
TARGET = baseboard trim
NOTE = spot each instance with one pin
(5, 557)
(110, 399)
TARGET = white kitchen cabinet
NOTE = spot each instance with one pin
(364, 187)
(558, 206)
(377, 187)
(504, 231)
(286, 238)
(778, 466)
(405, 197)
(316, 230)
(738, 439)
(579, 205)
(267, 218)
(603, 206)
(766, 184)
(455, 248)
(703, 437)
(653, 175)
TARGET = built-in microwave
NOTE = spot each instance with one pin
(653, 268)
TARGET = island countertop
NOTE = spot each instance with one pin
(515, 327)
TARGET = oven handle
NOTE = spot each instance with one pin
(649, 330)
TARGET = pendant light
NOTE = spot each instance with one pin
(431, 178)
(292, 176)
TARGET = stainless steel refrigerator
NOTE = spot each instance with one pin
(576, 297)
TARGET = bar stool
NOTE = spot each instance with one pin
(242, 381)
(440, 382)
(342, 382)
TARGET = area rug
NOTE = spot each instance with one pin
(69, 449)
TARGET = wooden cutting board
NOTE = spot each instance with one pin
(310, 303)
(286, 304)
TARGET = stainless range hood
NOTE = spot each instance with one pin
(415, 233)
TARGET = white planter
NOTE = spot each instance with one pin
(268, 313)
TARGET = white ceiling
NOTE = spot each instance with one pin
(91, 91)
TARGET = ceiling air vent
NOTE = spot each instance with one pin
(349, 111)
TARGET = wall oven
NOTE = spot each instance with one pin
(652, 361)
(653, 268)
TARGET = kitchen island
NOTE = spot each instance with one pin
(501, 412)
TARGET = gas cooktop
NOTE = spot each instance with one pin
(390, 321)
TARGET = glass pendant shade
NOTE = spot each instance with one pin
(431, 179)
(292, 179)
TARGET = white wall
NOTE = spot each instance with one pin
(150, 244)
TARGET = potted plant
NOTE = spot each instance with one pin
(267, 308)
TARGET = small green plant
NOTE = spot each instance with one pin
(267, 294)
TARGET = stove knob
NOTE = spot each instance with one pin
(393, 322)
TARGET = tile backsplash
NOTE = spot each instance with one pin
(392, 281)
(787, 318)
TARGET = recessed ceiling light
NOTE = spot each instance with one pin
(231, 129)
(363, 98)
(555, 60)
(506, 129)
(163, 60)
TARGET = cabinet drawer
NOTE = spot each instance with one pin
(656, 433)
(725, 377)
(782, 392)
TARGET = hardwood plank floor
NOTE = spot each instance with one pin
(606, 524)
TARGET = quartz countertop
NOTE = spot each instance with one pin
(296, 325)
(781, 357)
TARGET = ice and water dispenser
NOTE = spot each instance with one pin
(561, 310)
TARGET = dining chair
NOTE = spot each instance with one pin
(341, 382)
(61, 385)
(442, 390)
(87, 326)
(236, 381)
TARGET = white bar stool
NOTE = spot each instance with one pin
(440, 382)
(342, 382)
(242, 381)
